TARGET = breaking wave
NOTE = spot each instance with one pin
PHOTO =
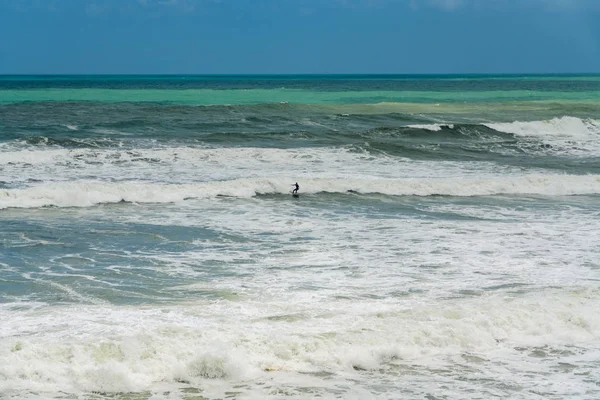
(561, 136)
(86, 194)
(144, 349)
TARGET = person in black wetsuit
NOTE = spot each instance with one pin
(296, 187)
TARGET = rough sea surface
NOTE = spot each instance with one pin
(445, 243)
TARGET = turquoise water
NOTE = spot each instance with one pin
(303, 89)
(444, 244)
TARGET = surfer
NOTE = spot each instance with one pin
(296, 187)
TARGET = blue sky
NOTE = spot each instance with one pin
(299, 36)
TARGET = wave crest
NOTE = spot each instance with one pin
(86, 194)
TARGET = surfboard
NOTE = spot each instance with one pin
(295, 195)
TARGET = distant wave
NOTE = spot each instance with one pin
(565, 127)
(560, 136)
(86, 194)
(566, 132)
(432, 127)
(567, 145)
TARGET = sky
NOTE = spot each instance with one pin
(299, 36)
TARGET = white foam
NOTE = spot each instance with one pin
(334, 300)
(432, 127)
(219, 345)
(189, 165)
(559, 127)
(85, 194)
(570, 134)
(33, 157)
(471, 247)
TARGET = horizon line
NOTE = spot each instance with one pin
(483, 74)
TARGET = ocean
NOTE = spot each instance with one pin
(444, 244)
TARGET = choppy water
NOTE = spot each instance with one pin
(444, 244)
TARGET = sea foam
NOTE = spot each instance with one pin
(564, 127)
(566, 135)
(101, 349)
(85, 194)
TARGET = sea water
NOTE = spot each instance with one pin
(444, 244)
